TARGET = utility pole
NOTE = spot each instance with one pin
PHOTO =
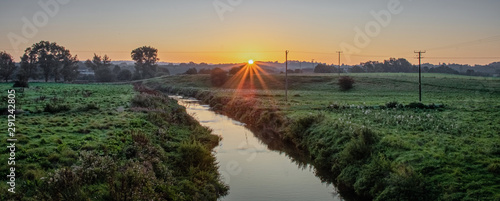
(286, 76)
(340, 52)
(420, 74)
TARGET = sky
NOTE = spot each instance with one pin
(234, 31)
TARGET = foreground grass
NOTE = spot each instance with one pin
(367, 139)
(108, 142)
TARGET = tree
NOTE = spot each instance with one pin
(357, 69)
(235, 70)
(218, 77)
(204, 71)
(98, 62)
(145, 61)
(100, 66)
(443, 69)
(7, 66)
(322, 68)
(162, 71)
(192, 71)
(397, 66)
(28, 68)
(69, 70)
(51, 58)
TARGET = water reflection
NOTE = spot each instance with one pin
(257, 166)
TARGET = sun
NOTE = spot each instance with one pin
(250, 61)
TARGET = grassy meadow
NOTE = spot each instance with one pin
(375, 139)
(107, 142)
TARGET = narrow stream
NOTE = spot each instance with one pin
(252, 170)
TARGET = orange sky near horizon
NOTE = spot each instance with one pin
(460, 31)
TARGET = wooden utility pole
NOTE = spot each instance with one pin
(420, 74)
(340, 52)
(286, 76)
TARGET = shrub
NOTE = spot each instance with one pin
(405, 184)
(90, 106)
(392, 104)
(194, 154)
(23, 84)
(124, 75)
(218, 77)
(416, 105)
(136, 182)
(63, 184)
(346, 83)
(55, 108)
(192, 71)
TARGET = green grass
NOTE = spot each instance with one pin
(80, 142)
(451, 153)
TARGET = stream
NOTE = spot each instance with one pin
(256, 168)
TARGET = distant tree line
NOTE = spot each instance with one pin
(323, 68)
(392, 65)
(50, 61)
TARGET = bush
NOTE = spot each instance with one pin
(55, 108)
(23, 84)
(346, 83)
(235, 70)
(192, 71)
(104, 75)
(63, 184)
(136, 182)
(218, 77)
(406, 184)
(124, 75)
(90, 106)
(194, 154)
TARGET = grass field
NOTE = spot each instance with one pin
(107, 142)
(375, 145)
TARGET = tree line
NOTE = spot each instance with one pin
(50, 61)
(394, 65)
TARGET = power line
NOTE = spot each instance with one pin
(463, 57)
(468, 43)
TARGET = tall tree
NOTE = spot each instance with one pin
(50, 57)
(7, 66)
(145, 61)
(101, 67)
(69, 69)
(28, 68)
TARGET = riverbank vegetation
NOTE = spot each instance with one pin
(108, 142)
(376, 139)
